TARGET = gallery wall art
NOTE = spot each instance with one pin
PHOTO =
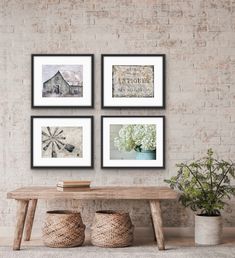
(62, 80)
(132, 141)
(128, 81)
(61, 142)
(133, 81)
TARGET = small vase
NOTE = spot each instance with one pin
(145, 155)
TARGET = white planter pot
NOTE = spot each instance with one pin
(208, 230)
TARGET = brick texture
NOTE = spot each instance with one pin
(198, 40)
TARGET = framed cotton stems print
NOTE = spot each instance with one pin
(132, 141)
(61, 142)
(62, 80)
(133, 81)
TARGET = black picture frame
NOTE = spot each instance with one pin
(63, 167)
(134, 167)
(34, 106)
(163, 56)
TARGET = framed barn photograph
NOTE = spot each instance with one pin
(61, 142)
(62, 80)
(133, 81)
(132, 141)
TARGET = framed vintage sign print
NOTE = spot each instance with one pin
(133, 81)
(132, 141)
(62, 80)
(61, 141)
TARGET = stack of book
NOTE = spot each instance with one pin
(73, 185)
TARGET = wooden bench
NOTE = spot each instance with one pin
(27, 198)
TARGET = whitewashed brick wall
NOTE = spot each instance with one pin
(198, 40)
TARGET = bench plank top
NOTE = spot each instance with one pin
(94, 193)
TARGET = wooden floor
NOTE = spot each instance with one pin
(182, 237)
(177, 246)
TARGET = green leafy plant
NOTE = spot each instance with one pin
(204, 184)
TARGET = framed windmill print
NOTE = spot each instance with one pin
(133, 81)
(61, 142)
(62, 80)
(132, 142)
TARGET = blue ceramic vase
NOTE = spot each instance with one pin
(146, 155)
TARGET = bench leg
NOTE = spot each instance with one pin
(29, 219)
(154, 235)
(21, 215)
(155, 208)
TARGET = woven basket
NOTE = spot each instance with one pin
(63, 229)
(112, 229)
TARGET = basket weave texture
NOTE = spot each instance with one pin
(63, 229)
(112, 229)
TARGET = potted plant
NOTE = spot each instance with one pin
(140, 138)
(204, 185)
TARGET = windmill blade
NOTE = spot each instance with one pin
(46, 147)
(57, 144)
(60, 132)
(45, 134)
(61, 138)
(53, 152)
(60, 142)
(44, 141)
(56, 129)
(49, 130)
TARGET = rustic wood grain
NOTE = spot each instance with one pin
(21, 215)
(154, 235)
(102, 193)
(30, 219)
(24, 195)
(155, 208)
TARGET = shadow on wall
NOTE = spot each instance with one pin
(174, 214)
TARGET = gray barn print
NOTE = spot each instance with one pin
(62, 142)
(62, 80)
